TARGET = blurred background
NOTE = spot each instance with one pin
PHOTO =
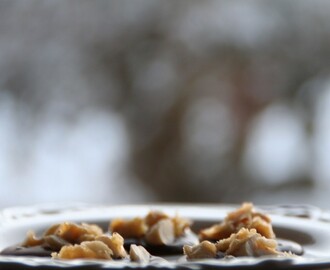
(169, 101)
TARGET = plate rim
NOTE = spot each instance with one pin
(36, 213)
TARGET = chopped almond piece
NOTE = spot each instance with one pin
(139, 254)
(161, 233)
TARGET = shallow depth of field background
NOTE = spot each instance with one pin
(172, 101)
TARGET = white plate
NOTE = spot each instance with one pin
(308, 226)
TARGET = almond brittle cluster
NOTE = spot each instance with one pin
(244, 217)
(83, 241)
(156, 228)
(63, 234)
(244, 232)
(88, 241)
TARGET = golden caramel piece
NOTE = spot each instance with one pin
(115, 243)
(135, 228)
(154, 217)
(180, 225)
(244, 217)
(74, 233)
(139, 254)
(161, 233)
(51, 230)
(248, 243)
(32, 240)
(204, 250)
(263, 226)
(85, 250)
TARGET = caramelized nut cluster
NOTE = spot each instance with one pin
(247, 243)
(244, 217)
(156, 228)
(243, 243)
(63, 234)
(77, 241)
(70, 240)
(102, 247)
(243, 232)
(85, 250)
